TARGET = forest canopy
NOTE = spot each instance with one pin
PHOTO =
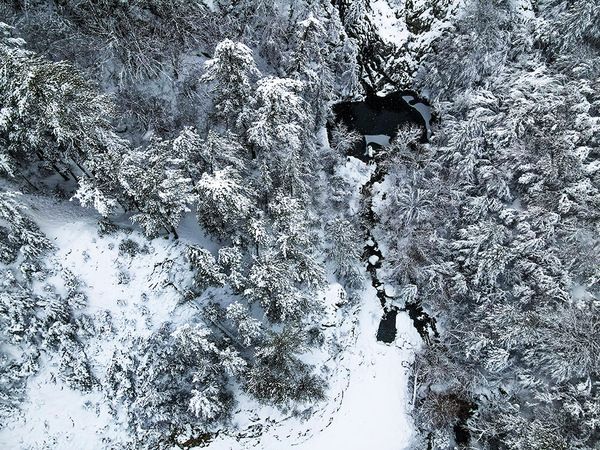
(186, 240)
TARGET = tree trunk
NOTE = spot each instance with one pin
(65, 177)
(83, 170)
(71, 172)
(28, 182)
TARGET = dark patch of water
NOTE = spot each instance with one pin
(462, 435)
(423, 322)
(381, 116)
(377, 115)
(387, 326)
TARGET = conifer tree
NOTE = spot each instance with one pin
(277, 123)
(160, 190)
(50, 112)
(233, 71)
(278, 376)
(224, 203)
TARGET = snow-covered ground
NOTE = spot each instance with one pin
(368, 401)
(57, 417)
(374, 409)
(368, 404)
(136, 294)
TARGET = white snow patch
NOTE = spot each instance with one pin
(55, 416)
(373, 259)
(390, 291)
(138, 292)
(369, 401)
(375, 411)
(381, 139)
(389, 22)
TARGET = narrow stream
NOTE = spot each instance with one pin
(373, 52)
(377, 118)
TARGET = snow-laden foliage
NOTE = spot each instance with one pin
(196, 129)
(345, 250)
(224, 202)
(233, 70)
(34, 324)
(246, 171)
(156, 181)
(20, 234)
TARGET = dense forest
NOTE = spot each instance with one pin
(187, 233)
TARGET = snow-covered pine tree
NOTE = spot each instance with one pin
(285, 277)
(272, 283)
(310, 62)
(233, 71)
(99, 184)
(216, 152)
(181, 378)
(224, 203)
(249, 329)
(207, 271)
(278, 121)
(50, 112)
(345, 250)
(156, 181)
(23, 234)
(278, 376)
